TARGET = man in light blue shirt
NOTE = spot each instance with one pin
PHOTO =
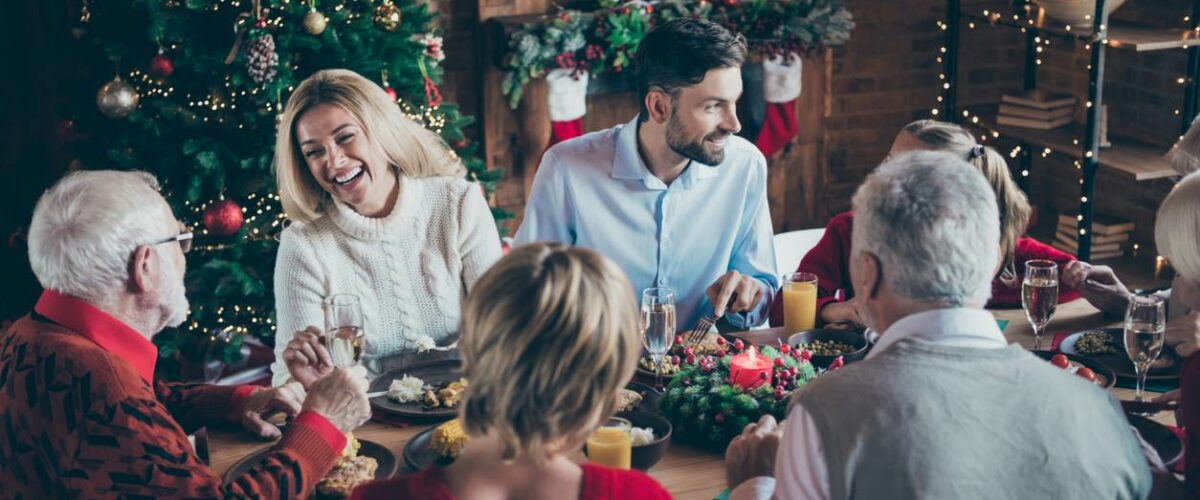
(672, 196)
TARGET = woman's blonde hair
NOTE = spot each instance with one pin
(409, 147)
(1177, 227)
(1013, 205)
(549, 336)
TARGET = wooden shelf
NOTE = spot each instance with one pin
(1120, 35)
(1140, 162)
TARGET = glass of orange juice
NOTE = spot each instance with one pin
(799, 302)
(610, 445)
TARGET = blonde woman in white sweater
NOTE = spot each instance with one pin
(379, 209)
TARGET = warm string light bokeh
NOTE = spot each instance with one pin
(1042, 41)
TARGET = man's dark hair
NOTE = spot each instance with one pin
(679, 52)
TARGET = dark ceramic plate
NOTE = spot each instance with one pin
(418, 452)
(854, 338)
(433, 373)
(1119, 362)
(1162, 439)
(383, 456)
(1100, 369)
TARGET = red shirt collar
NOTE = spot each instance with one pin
(98, 326)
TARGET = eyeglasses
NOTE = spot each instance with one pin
(184, 239)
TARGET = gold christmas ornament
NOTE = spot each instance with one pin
(314, 22)
(116, 99)
(387, 16)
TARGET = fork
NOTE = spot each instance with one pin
(697, 334)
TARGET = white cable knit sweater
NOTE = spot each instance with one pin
(411, 269)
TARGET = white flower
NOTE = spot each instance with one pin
(424, 343)
(406, 390)
(433, 46)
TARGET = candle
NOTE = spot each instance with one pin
(747, 370)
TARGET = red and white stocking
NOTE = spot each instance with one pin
(781, 87)
(568, 103)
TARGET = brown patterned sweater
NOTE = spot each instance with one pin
(80, 418)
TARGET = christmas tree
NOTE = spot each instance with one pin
(197, 88)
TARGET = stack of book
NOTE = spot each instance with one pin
(1109, 235)
(1036, 109)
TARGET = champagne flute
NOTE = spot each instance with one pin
(658, 325)
(1039, 296)
(1145, 322)
(344, 334)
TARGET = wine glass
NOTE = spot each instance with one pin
(344, 334)
(658, 325)
(1039, 296)
(1145, 322)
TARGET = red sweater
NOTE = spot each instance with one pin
(599, 483)
(830, 261)
(82, 417)
(1189, 384)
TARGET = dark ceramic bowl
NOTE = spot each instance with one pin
(644, 457)
(854, 338)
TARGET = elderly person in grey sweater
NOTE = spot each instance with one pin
(943, 407)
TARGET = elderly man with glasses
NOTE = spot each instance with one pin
(82, 415)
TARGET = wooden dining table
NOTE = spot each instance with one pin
(688, 472)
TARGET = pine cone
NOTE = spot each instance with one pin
(261, 60)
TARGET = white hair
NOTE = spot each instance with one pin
(931, 219)
(86, 227)
(1177, 227)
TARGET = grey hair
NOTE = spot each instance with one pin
(86, 227)
(930, 218)
(1177, 227)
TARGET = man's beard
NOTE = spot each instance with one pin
(678, 141)
(174, 303)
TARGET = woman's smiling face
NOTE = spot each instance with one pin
(343, 159)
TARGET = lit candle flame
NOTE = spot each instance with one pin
(753, 353)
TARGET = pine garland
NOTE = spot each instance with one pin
(606, 39)
(707, 411)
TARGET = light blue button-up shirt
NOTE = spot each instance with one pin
(596, 192)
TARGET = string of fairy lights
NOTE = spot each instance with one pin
(1043, 42)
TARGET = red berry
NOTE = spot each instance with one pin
(260, 24)
(739, 345)
(806, 355)
(691, 359)
(778, 361)
(674, 360)
(719, 418)
(688, 351)
(679, 340)
(720, 340)
(778, 393)
(785, 348)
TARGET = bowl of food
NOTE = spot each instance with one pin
(827, 344)
(1086, 368)
(651, 436)
(638, 397)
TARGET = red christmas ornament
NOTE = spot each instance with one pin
(161, 66)
(461, 144)
(719, 418)
(739, 345)
(391, 92)
(223, 218)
